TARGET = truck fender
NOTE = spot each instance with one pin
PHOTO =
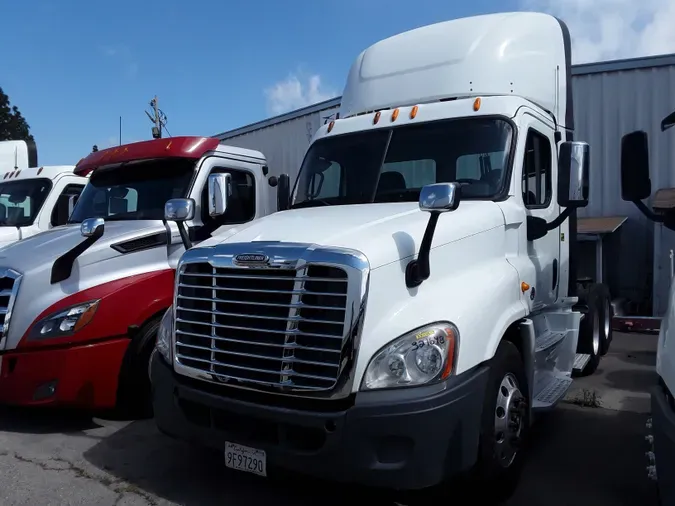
(483, 301)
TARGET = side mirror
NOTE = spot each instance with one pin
(439, 197)
(436, 199)
(668, 122)
(283, 192)
(635, 182)
(219, 191)
(179, 210)
(72, 200)
(92, 227)
(573, 174)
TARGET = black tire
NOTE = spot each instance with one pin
(134, 395)
(605, 319)
(590, 329)
(496, 471)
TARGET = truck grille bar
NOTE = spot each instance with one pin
(265, 326)
(9, 286)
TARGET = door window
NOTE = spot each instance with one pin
(536, 184)
(61, 211)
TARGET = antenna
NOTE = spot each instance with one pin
(16, 158)
(158, 118)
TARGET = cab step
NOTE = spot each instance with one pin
(580, 361)
(552, 393)
(548, 339)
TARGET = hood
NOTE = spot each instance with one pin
(8, 235)
(385, 233)
(45, 247)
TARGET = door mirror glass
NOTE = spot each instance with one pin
(440, 197)
(92, 227)
(573, 174)
(283, 192)
(219, 191)
(635, 182)
(668, 121)
(179, 210)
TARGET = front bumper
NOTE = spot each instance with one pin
(80, 376)
(400, 439)
(663, 423)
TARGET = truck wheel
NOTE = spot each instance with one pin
(607, 315)
(504, 425)
(591, 327)
(134, 397)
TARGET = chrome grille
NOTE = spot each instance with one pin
(9, 285)
(269, 326)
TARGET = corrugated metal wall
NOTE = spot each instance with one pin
(610, 100)
(285, 143)
(608, 105)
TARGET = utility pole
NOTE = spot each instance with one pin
(158, 118)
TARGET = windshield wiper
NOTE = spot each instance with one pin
(311, 203)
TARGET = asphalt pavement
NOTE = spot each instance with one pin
(589, 451)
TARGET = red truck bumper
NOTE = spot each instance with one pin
(83, 376)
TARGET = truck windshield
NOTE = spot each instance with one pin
(134, 191)
(392, 165)
(21, 200)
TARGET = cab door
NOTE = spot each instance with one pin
(538, 155)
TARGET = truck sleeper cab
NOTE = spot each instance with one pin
(402, 321)
(82, 302)
(36, 199)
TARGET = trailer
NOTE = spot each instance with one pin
(610, 99)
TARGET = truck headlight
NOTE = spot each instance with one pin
(64, 322)
(417, 358)
(164, 334)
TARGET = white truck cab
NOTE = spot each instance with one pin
(415, 303)
(636, 186)
(32, 198)
(80, 303)
(36, 199)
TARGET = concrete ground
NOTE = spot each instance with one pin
(589, 451)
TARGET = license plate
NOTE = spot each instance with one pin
(244, 458)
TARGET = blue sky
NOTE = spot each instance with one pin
(73, 67)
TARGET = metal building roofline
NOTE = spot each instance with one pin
(297, 113)
(641, 62)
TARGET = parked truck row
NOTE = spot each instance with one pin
(401, 316)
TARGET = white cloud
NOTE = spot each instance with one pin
(292, 93)
(611, 29)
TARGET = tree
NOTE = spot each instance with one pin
(13, 126)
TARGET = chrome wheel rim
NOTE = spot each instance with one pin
(596, 333)
(607, 320)
(509, 420)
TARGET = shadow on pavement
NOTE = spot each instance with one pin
(580, 456)
(44, 421)
(587, 456)
(192, 476)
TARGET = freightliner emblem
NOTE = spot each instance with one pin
(251, 259)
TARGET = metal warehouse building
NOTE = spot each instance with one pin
(610, 99)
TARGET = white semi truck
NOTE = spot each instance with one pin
(33, 199)
(636, 186)
(36, 199)
(80, 304)
(416, 304)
